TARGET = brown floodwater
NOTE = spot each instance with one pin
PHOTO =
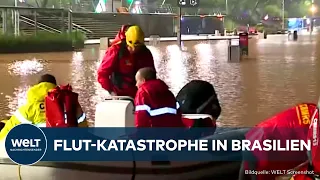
(277, 74)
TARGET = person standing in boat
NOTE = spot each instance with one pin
(155, 104)
(122, 60)
(291, 124)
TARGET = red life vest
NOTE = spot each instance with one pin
(314, 156)
(292, 123)
(313, 135)
(61, 107)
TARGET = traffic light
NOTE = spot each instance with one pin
(129, 1)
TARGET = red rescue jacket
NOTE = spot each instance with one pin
(62, 108)
(156, 106)
(314, 157)
(207, 123)
(290, 124)
(118, 67)
(314, 134)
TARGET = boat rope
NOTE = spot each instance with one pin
(19, 172)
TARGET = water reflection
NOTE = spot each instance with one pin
(278, 74)
(77, 72)
(204, 60)
(176, 76)
(287, 75)
(157, 56)
(19, 98)
(99, 94)
(25, 67)
(24, 70)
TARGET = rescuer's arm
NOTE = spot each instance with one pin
(8, 126)
(107, 67)
(81, 117)
(142, 117)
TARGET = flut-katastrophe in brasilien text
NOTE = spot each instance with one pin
(180, 145)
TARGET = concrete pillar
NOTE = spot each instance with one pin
(104, 43)
(4, 21)
(70, 21)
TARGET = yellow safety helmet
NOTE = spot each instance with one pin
(134, 36)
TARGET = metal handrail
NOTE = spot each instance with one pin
(80, 27)
(40, 24)
(76, 25)
(31, 8)
(48, 9)
(33, 24)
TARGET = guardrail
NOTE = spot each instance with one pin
(38, 27)
(17, 17)
(37, 24)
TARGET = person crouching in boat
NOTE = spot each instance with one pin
(310, 170)
(155, 105)
(291, 124)
(33, 111)
(199, 97)
(122, 60)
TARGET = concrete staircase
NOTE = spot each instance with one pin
(99, 28)
(52, 22)
(94, 28)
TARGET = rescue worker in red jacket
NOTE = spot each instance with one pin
(122, 60)
(311, 169)
(290, 124)
(155, 105)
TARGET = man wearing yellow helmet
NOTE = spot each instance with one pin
(122, 60)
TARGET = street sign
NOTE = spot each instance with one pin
(188, 3)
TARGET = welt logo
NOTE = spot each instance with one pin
(25, 144)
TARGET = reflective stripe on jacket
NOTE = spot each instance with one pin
(156, 106)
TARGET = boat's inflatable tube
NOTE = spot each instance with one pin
(224, 169)
(113, 113)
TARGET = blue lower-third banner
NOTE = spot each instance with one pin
(28, 144)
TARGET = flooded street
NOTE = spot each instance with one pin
(278, 74)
